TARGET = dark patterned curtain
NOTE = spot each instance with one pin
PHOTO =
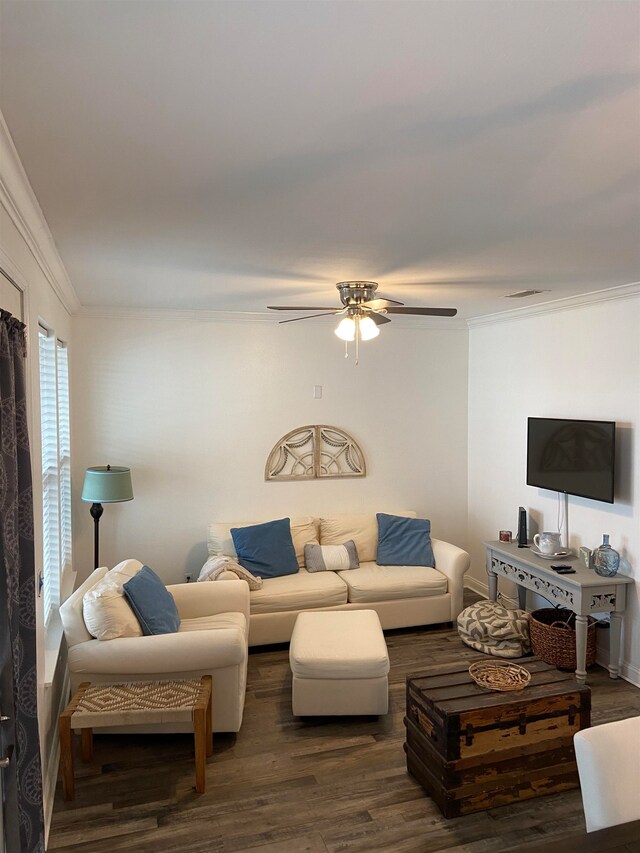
(24, 824)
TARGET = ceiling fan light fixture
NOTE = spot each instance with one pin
(362, 313)
(346, 329)
(368, 329)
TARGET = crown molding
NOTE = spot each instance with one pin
(19, 200)
(105, 312)
(596, 297)
(9, 266)
(447, 324)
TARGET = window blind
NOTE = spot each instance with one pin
(50, 486)
(64, 456)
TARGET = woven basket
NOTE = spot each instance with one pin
(553, 637)
(499, 676)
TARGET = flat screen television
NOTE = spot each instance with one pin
(571, 456)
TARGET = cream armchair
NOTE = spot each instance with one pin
(212, 640)
(608, 758)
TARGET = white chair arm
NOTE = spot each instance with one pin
(182, 652)
(210, 597)
(453, 562)
(608, 758)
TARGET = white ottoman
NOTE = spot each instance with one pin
(339, 663)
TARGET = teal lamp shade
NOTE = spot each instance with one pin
(107, 485)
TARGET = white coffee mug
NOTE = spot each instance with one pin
(547, 543)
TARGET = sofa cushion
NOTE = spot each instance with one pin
(331, 558)
(152, 603)
(384, 583)
(266, 550)
(302, 591)
(220, 541)
(105, 609)
(361, 527)
(404, 541)
(342, 645)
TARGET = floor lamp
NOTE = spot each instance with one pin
(102, 485)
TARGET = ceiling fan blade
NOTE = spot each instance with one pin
(429, 312)
(379, 304)
(378, 319)
(297, 308)
(310, 316)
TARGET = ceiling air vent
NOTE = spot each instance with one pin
(522, 293)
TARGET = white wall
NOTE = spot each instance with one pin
(194, 407)
(582, 362)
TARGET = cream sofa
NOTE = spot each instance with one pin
(402, 596)
(211, 640)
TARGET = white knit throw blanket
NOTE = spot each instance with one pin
(216, 566)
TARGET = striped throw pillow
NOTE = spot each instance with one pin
(331, 558)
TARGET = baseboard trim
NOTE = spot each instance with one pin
(482, 589)
(476, 586)
(630, 673)
(50, 780)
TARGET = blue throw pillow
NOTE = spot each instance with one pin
(266, 549)
(404, 541)
(152, 603)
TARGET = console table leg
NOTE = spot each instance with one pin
(581, 649)
(493, 586)
(614, 644)
(522, 597)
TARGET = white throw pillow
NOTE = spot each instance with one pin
(106, 611)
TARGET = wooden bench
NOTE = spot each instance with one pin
(131, 703)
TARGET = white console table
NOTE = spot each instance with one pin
(584, 593)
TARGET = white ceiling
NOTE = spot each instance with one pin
(230, 155)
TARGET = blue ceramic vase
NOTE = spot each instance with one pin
(606, 559)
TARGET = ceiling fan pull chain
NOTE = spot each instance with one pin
(357, 341)
(346, 349)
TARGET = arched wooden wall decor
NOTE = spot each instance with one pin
(315, 452)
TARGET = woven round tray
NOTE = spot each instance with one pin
(499, 676)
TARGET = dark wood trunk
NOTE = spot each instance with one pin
(472, 749)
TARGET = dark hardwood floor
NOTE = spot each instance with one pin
(284, 786)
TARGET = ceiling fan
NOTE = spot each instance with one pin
(363, 312)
